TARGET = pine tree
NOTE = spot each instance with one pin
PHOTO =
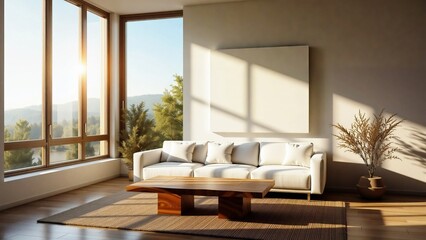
(169, 113)
(23, 157)
(138, 133)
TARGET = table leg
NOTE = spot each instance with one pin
(234, 207)
(175, 204)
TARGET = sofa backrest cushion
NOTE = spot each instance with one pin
(200, 152)
(298, 154)
(198, 155)
(181, 152)
(272, 153)
(219, 152)
(246, 153)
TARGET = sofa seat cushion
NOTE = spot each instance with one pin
(170, 169)
(224, 171)
(286, 177)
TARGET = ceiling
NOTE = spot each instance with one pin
(146, 6)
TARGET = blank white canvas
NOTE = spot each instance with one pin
(260, 90)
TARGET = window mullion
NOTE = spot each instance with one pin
(83, 82)
(47, 103)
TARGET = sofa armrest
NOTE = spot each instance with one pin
(318, 172)
(143, 159)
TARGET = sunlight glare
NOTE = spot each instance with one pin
(81, 69)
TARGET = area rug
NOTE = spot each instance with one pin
(271, 218)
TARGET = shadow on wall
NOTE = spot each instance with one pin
(343, 173)
(414, 149)
(268, 85)
(251, 123)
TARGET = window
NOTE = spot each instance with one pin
(23, 72)
(56, 84)
(152, 70)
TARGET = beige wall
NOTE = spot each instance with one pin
(363, 56)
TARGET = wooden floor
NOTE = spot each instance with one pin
(395, 217)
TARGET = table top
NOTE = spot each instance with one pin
(224, 187)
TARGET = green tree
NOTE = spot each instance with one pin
(22, 157)
(93, 125)
(169, 113)
(90, 150)
(58, 130)
(72, 151)
(35, 131)
(138, 133)
(70, 129)
(22, 130)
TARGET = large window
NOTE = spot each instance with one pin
(152, 70)
(23, 85)
(56, 84)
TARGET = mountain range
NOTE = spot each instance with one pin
(33, 113)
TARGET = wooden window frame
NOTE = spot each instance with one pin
(122, 49)
(46, 140)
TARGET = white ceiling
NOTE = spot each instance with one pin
(146, 6)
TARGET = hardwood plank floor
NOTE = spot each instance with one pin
(394, 217)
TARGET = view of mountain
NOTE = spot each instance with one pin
(149, 100)
(33, 114)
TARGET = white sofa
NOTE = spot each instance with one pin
(295, 167)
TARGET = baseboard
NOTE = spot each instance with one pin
(391, 191)
(53, 193)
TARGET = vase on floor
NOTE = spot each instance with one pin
(371, 187)
(130, 175)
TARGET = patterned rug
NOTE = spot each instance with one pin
(271, 218)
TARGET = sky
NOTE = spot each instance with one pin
(154, 54)
(23, 58)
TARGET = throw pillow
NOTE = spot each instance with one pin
(200, 152)
(246, 153)
(298, 154)
(271, 153)
(219, 152)
(181, 152)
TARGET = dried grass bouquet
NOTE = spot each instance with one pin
(370, 139)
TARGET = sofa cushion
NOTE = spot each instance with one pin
(170, 169)
(224, 171)
(286, 177)
(181, 152)
(199, 154)
(246, 153)
(219, 152)
(271, 153)
(298, 154)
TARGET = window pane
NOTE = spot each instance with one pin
(23, 69)
(64, 153)
(154, 54)
(96, 75)
(94, 149)
(22, 158)
(66, 69)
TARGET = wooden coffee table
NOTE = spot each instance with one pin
(176, 194)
